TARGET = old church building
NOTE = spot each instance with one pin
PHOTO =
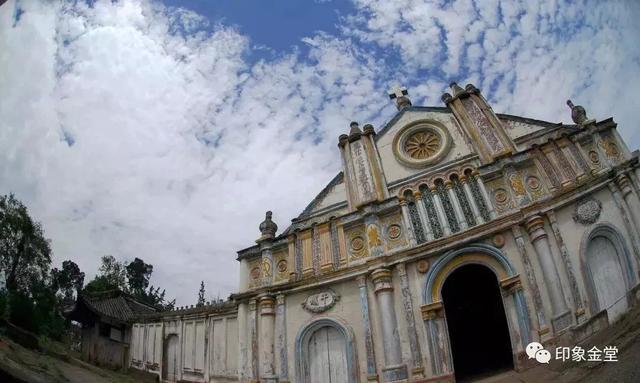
(452, 237)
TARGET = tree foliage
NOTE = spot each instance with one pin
(201, 293)
(25, 254)
(68, 279)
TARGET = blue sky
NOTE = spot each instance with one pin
(166, 130)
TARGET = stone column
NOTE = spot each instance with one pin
(243, 355)
(540, 240)
(564, 252)
(462, 221)
(253, 339)
(446, 230)
(630, 198)
(411, 236)
(422, 211)
(485, 195)
(267, 326)
(626, 218)
(417, 371)
(372, 375)
(472, 202)
(394, 370)
(281, 337)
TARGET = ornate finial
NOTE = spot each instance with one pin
(579, 114)
(354, 132)
(400, 94)
(456, 88)
(268, 228)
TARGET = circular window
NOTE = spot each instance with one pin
(421, 143)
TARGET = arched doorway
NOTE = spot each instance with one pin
(327, 358)
(603, 261)
(476, 322)
(325, 353)
(170, 360)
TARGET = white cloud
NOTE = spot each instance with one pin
(130, 130)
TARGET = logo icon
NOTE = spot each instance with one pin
(536, 351)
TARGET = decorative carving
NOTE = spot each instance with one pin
(422, 266)
(477, 196)
(500, 196)
(611, 149)
(416, 223)
(320, 302)
(498, 240)
(484, 126)
(535, 187)
(394, 231)
(282, 266)
(421, 143)
(266, 267)
(357, 244)
(255, 273)
(594, 157)
(587, 211)
(372, 236)
(447, 205)
(432, 215)
(579, 114)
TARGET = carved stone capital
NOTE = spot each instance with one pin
(511, 284)
(623, 183)
(448, 184)
(253, 303)
(417, 194)
(382, 280)
(280, 299)
(267, 304)
(535, 228)
(362, 280)
(432, 310)
(402, 269)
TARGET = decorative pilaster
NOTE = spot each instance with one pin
(622, 208)
(411, 237)
(244, 370)
(531, 278)
(564, 252)
(436, 329)
(253, 338)
(440, 211)
(540, 240)
(267, 326)
(416, 368)
(630, 198)
(472, 202)
(422, 211)
(462, 222)
(372, 375)
(281, 337)
(394, 370)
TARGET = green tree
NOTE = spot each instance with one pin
(111, 275)
(25, 254)
(138, 275)
(201, 295)
(68, 280)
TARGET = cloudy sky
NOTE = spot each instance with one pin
(165, 130)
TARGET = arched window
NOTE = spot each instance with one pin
(447, 205)
(432, 215)
(415, 218)
(477, 197)
(464, 202)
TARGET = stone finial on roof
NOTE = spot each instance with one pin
(455, 88)
(401, 95)
(354, 132)
(579, 114)
(268, 228)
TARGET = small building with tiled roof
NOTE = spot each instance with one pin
(106, 325)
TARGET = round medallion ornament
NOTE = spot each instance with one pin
(423, 266)
(357, 243)
(255, 273)
(394, 231)
(498, 240)
(587, 211)
(594, 157)
(533, 183)
(282, 266)
(501, 196)
(421, 143)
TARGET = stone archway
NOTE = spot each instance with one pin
(608, 271)
(510, 291)
(325, 353)
(476, 322)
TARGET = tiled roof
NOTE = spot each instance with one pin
(115, 305)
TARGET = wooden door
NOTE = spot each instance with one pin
(608, 278)
(171, 358)
(327, 357)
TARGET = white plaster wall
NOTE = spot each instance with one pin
(347, 310)
(393, 169)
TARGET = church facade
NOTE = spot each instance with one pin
(453, 237)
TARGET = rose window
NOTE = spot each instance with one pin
(422, 145)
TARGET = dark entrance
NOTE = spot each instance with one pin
(477, 324)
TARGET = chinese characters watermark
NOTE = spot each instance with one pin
(536, 351)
